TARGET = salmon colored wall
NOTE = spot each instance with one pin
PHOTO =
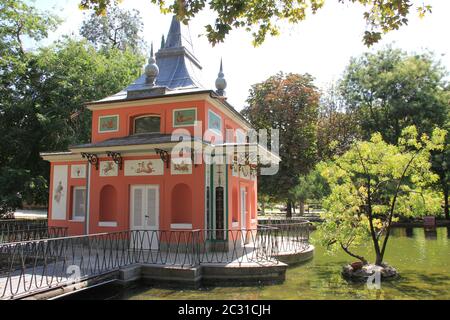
(127, 114)
(252, 209)
(167, 182)
(237, 182)
(181, 208)
(108, 204)
(74, 227)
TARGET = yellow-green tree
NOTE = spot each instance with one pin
(372, 184)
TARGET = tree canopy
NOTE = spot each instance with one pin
(263, 17)
(119, 29)
(375, 182)
(289, 103)
(42, 94)
(390, 89)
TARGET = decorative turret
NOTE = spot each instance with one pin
(172, 67)
(151, 69)
(221, 83)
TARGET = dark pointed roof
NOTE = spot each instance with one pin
(179, 69)
(178, 66)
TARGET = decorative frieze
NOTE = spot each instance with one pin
(78, 171)
(108, 169)
(144, 167)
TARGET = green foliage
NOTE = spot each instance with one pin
(74, 74)
(289, 103)
(337, 126)
(389, 90)
(375, 182)
(119, 29)
(42, 95)
(313, 186)
(263, 17)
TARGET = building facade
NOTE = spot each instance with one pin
(166, 153)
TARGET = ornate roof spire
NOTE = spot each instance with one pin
(163, 42)
(151, 69)
(221, 83)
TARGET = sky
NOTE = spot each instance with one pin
(322, 45)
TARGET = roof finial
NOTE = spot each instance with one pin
(163, 41)
(151, 69)
(221, 83)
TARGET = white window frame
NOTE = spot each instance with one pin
(108, 116)
(74, 216)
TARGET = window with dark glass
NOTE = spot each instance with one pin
(147, 124)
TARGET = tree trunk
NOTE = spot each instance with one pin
(354, 255)
(302, 208)
(289, 210)
(263, 208)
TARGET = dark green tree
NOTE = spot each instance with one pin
(389, 90)
(289, 103)
(18, 122)
(337, 127)
(312, 186)
(118, 28)
(42, 94)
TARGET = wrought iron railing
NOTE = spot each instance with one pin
(288, 236)
(9, 225)
(26, 234)
(30, 266)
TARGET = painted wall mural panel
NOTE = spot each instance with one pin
(214, 121)
(59, 195)
(108, 123)
(108, 169)
(184, 117)
(78, 171)
(144, 167)
(181, 166)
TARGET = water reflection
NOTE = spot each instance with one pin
(423, 265)
(430, 233)
(409, 232)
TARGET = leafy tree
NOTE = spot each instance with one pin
(390, 90)
(440, 164)
(75, 73)
(42, 95)
(310, 187)
(337, 127)
(372, 184)
(289, 103)
(18, 21)
(119, 29)
(263, 17)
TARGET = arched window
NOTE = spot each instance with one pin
(181, 204)
(108, 204)
(147, 124)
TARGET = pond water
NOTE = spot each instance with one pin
(422, 259)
